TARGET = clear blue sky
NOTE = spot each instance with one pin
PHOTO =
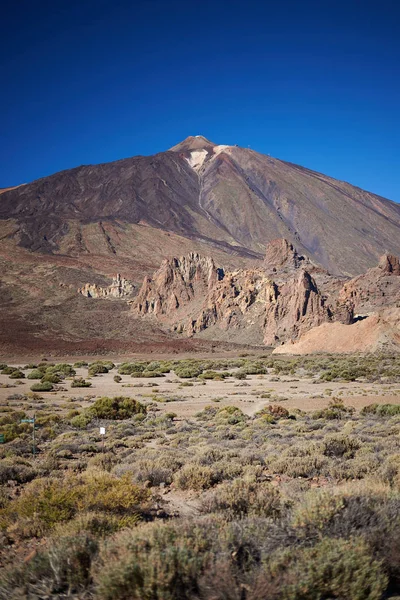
(312, 82)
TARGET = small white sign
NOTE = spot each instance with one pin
(102, 431)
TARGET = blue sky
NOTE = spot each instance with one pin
(315, 83)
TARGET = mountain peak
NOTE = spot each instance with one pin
(193, 142)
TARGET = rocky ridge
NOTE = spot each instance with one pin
(271, 304)
(119, 288)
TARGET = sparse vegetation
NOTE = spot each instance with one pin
(247, 499)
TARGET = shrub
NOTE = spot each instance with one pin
(46, 502)
(333, 568)
(239, 498)
(336, 410)
(117, 378)
(275, 410)
(218, 376)
(14, 470)
(383, 410)
(194, 477)
(35, 374)
(232, 415)
(240, 374)
(97, 368)
(129, 368)
(340, 446)
(148, 374)
(44, 386)
(120, 407)
(155, 561)
(81, 421)
(51, 378)
(186, 371)
(80, 363)
(253, 368)
(80, 383)
(17, 374)
(65, 567)
(62, 368)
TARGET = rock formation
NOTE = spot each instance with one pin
(119, 288)
(270, 305)
(376, 289)
(176, 283)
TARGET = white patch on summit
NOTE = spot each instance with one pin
(197, 158)
(220, 148)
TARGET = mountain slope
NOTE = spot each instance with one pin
(228, 197)
(84, 225)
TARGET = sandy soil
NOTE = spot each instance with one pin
(185, 401)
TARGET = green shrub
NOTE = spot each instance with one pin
(35, 374)
(8, 370)
(336, 410)
(240, 374)
(51, 378)
(383, 410)
(81, 421)
(46, 502)
(80, 363)
(17, 374)
(161, 562)
(239, 498)
(80, 383)
(149, 374)
(333, 568)
(194, 477)
(217, 376)
(129, 368)
(44, 386)
(62, 568)
(117, 378)
(253, 368)
(62, 368)
(120, 407)
(186, 372)
(97, 368)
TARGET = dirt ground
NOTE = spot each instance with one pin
(172, 394)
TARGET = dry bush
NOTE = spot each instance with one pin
(239, 498)
(194, 477)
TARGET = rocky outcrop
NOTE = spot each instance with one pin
(119, 288)
(298, 307)
(270, 305)
(378, 288)
(282, 257)
(176, 283)
(390, 264)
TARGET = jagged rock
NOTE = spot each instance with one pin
(176, 283)
(281, 255)
(298, 307)
(274, 304)
(390, 264)
(378, 288)
(119, 288)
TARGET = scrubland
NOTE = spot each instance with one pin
(235, 479)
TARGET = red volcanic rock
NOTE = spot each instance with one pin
(390, 264)
(267, 305)
(281, 254)
(176, 283)
(378, 288)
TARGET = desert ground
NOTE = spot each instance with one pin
(219, 477)
(257, 391)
